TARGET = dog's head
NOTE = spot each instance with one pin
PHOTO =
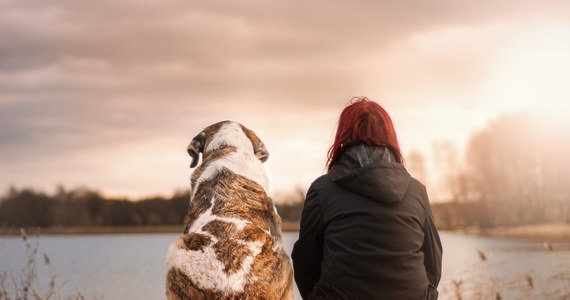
(226, 133)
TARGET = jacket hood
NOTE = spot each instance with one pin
(373, 172)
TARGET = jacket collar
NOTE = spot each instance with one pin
(371, 171)
(358, 156)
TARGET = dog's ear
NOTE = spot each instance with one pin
(258, 147)
(196, 147)
(261, 151)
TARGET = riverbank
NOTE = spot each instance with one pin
(93, 230)
(286, 227)
(543, 232)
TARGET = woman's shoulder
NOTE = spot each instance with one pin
(320, 186)
(418, 185)
(321, 182)
(420, 192)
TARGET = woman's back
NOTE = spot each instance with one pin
(373, 223)
(367, 231)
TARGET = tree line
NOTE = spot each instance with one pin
(82, 207)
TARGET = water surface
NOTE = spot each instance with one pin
(133, 266)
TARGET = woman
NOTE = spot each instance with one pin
(367, 231)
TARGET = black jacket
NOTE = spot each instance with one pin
(367, 232)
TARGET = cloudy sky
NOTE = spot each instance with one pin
(107, 94)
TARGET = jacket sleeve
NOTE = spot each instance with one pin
(308, 250)
(432, 249)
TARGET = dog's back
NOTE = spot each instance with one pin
(232, 247)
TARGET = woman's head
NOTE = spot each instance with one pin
(364, 121)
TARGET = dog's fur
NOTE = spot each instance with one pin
(231, 247)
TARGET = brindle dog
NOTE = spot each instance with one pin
(231, 247)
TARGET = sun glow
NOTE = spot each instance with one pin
(534, 74)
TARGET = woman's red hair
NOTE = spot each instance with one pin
(364, 121)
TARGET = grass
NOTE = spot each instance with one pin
(477, 284)
(24, 285)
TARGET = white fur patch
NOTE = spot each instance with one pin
(208, 217)
(230, 134)
(211, 273)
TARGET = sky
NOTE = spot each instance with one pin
(108, 94)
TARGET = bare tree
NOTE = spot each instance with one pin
(454, 178)
(518, 166)
(416, 165)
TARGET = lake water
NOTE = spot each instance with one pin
(133, 266)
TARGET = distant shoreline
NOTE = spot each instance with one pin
(559, 232)
(286, 227)
(542, 232)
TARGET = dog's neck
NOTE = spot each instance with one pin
(230, 149)
(243, 163)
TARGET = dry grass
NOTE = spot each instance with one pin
(478, 284)
(24, 286)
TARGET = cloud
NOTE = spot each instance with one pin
(87, 80)
(218, 50)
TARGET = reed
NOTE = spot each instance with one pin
(476, 284)
(25, 285)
